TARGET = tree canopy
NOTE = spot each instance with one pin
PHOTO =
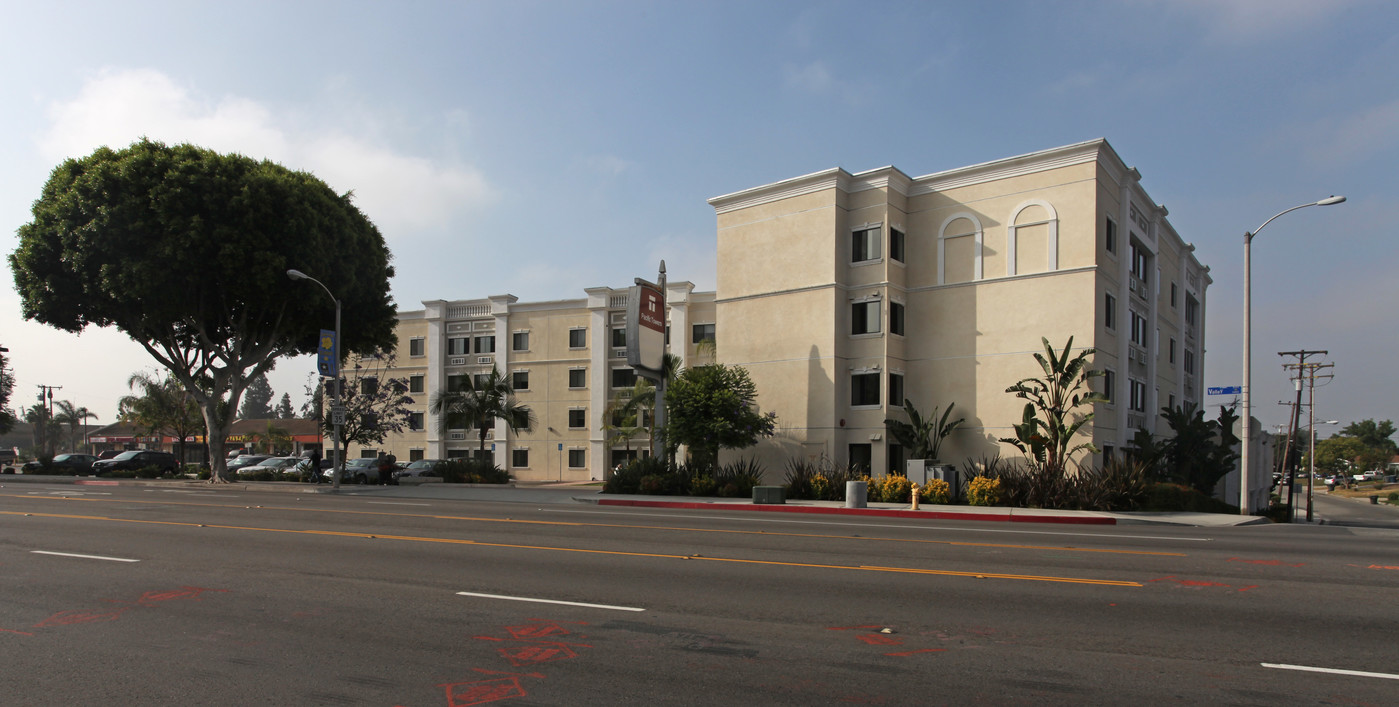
(186, 251)
(7, 385)
(479, 403)
(257, 400)
(714, 407)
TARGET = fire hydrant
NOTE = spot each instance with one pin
(915, 498)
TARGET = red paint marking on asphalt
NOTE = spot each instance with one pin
(542, 630)
(1201, 583)
(879, 639)
(181, 593)
(463, 694)
(22, 633)
(69, 618)
(875, 512)
(905, 654)
(1382, 567)
(1270, 563)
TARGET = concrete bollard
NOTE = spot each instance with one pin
(856, 494)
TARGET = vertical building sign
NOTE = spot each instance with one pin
(646, 329)
(327, 362)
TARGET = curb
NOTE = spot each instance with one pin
(1008, 517)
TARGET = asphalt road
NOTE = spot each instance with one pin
(122, 595)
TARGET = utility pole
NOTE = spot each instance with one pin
(1311, 428)
(1302, 357)
(46, 403)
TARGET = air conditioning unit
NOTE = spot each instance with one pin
(456, 435)
(483, 359)
(456, 361)
(1131, 284)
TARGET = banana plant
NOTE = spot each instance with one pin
(922, 436)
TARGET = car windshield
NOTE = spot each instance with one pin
(126, 455)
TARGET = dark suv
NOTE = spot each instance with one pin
(136, 459)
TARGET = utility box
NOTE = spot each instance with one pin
(769, 494)
(948, 473)
(917, 471)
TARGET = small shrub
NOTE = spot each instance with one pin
(204, 474)
(895, 488)
(703, 485)
(874, 491)
(1176, 498)
(739, 478)
(983, 491)
(472, 471)
(821, 488)
(936, 491)
(1394, 496)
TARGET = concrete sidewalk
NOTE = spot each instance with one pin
(591, 492)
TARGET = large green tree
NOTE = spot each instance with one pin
(714, 407)
(186, 251)
(1377, 436)
(477, 402)
(1201, 452)
(7, 386)
(257, 400)
(376, 404)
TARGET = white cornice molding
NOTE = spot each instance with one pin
(895, 180)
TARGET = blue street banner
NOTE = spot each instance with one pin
(1225, 390)
(327, 362)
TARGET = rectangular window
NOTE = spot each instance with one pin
(1110, 236)
(577, 458)
(1138, 396)
(480, 380)
(1109, 311)
(519, 458)
(864, 317)
(485, 344)
(519, 380)
(1109, 385)
(864, 245)
(1138, 329)
(577, 377)
(416, 346)
(896, 390)
(1172, 403)
(1192, 307)
(368, 386)
(457, 383)
(458, 346)
(519, 341)
(415, 384)
(1189, 361)
(1173, 295)
(619, 337)
(702, 332)
(415, 421)
(577, 418)
(1171, 352)
(577, 338)
(896, 318)
(415, 455)
(1139, 258)
(896, 244)
(623, 378)
(864, 389)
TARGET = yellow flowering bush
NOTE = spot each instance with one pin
(983, 491)
(874, 492)
(895, 489)
(936, 491)
(820, 487)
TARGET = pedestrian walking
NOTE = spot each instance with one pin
(315, 460)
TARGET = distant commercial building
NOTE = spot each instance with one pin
(845, 294)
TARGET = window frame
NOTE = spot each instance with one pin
(898, 243)
(582, 333)
(867, 382)
(896, 318)
(516, 380)
(860, 314)
(581, 372)
(515, 340)
(515, 459)
(581, 415)
(864, 244)
(701, 332)
(417, 347)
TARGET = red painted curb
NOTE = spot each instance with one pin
(876, 512)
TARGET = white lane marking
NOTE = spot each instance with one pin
(878, 525)
(85, 557)
(395, 503)
(1335, 671)
(550, 601)
(67, 492)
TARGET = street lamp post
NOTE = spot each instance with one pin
(1246, 439)
(335, 413)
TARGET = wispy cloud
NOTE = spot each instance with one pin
(1250, 20)
(400, 191)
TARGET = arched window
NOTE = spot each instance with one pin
(1032, 238)
(959, 248)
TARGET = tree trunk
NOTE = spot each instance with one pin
(218, 434)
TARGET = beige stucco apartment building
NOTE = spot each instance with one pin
(844, 294)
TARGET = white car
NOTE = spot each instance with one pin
(1368, 476)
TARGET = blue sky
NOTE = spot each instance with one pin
(537, 148)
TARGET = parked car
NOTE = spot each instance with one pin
(69, 463)
(136, 459)
(361, 471)
(1372, 475)
(243, 460)
(422, 467)
(109, 453)
(1337, 480)
(275, 465)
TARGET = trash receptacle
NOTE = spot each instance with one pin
(1374, 499)
(856, 494)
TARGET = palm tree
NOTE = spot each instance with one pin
(270, 439)
(163, 406)
(72, 416)
(479, 403)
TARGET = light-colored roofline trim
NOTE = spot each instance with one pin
(895, 180)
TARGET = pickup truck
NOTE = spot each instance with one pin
(1368, 476)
